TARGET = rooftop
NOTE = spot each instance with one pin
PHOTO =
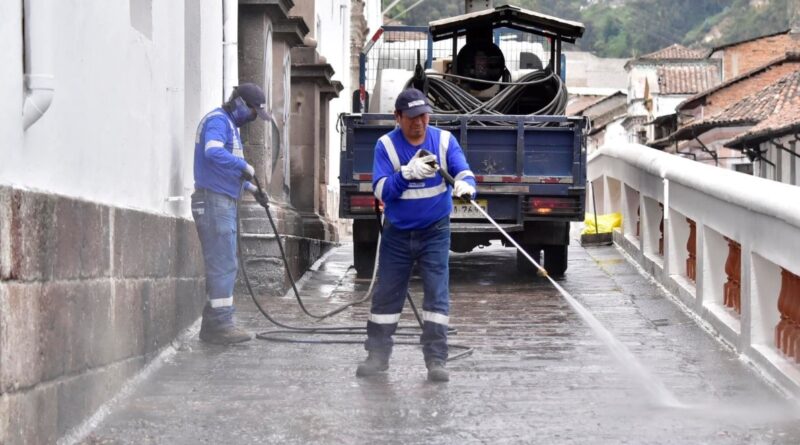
(674, 51)
(788, 57)
(783, 121)
(751, 109)
(687, 79)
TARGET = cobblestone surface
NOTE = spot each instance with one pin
(538, 373)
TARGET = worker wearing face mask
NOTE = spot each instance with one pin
(220, 175)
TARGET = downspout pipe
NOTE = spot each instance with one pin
(39, 54)
(230, 52)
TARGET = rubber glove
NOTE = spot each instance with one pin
(463, 190)
(419, 167)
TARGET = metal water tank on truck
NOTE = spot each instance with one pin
(495, 79)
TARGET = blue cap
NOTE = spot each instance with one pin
(253, 95)
(412, 102)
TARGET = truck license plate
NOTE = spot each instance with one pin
(463, 209)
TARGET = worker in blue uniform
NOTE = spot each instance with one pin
(220, 175)
(416, 229)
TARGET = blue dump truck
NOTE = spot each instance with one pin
(502, 95)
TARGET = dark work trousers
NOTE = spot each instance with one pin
(399, 250)
(215, 218)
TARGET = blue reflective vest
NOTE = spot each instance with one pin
(411, 205)
(218, 155)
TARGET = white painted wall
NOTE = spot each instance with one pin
(374, 16)
(126, 100)
(334, 45)
(11, 83)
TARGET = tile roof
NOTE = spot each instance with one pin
(751, 109)
(784, 119)
(687, 79)
(790, 57)
(579, 103)
(674, 51)
(739, 42)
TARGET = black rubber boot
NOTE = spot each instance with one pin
(376, 362)
(437, 371)
(224, 336)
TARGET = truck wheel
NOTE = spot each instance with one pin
(555, 260)
(524, 266)
(364, 258)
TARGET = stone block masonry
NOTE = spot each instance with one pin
(89, 294)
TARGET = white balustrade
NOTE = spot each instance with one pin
(746, 232)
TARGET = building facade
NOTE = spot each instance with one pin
(100, 266)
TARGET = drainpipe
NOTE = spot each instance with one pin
(230, 56)
(39, 80)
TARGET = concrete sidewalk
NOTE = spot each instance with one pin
(538, 374)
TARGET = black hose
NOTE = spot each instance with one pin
(279, 335)
(542, 88)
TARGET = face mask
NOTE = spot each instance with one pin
(241, 113)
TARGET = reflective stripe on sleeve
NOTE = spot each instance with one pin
(425, 192)
(238, 152)
(214, 144)
(379, 188)
(433, 317)
(390, 150)
(384, 318)
(221, 302)
(444, 144)
(464, 174)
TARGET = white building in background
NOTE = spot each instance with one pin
(659, 81)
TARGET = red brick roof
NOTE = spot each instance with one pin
(576, 105)
(784, 119)
(687, 79)
(739, 42)
(675, 51)
(751, 109)
(788, 57)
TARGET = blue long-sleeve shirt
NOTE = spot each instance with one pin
(218, 155)
(417, 204)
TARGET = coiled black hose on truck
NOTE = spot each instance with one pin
(536, 93)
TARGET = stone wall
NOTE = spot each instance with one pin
(88, 294)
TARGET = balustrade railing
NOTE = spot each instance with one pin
(725, 243)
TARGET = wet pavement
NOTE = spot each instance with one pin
(538, 374)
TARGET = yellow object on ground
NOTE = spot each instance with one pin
(605, 223)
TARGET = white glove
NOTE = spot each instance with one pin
(250, 187)
(463, 190)
(418, 167)
(248, 172)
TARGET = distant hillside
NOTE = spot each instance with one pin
(627, 28)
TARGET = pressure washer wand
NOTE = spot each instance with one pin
(447, 177)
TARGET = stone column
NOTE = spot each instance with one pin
(269, 148)
(312, 88)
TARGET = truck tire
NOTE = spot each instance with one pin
(364, 258)
(555, 260)
(524, 266)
